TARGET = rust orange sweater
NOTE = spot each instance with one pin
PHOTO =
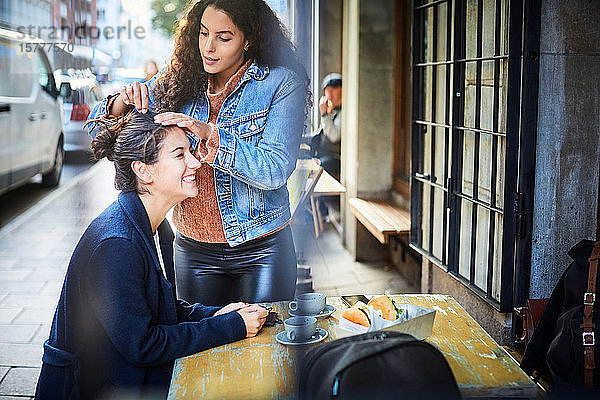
(199, 217)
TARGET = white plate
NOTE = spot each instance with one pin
(326, 312)
(319, 335)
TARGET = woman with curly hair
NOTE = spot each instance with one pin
(236, 84)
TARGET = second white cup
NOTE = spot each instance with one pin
(308, 304)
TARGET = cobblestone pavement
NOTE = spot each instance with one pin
(35, 249)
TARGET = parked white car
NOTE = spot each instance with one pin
(31, 138)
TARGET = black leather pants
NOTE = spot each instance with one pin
(261, 270)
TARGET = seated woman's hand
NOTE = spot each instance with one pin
(231, 307)
(187, 123)
(254, 317)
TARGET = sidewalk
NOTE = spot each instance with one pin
(34, 252)
(334, 271)
(35, 249)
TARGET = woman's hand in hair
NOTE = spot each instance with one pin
(197, 127)
(254, 317)
(135, 94)
(231, 307)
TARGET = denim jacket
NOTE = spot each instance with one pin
(260, 126)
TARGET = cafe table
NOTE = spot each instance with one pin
(261, 368)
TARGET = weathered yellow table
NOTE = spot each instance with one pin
(261, 368)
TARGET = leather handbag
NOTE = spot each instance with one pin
(530, 316)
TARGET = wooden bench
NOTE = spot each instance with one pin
(382, 218)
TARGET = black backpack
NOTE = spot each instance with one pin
(556, 347)
(376, 365)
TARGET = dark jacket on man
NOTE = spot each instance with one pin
(118, 327)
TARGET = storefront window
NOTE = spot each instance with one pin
(461, 133)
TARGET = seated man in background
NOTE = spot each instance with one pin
(327, 144)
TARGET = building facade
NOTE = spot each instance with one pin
(15, 13)
(75, 18)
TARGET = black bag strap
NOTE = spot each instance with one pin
(589, 298)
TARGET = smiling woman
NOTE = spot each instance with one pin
(236, 83)
(174, 175)
(118, 326)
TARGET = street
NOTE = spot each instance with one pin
(19, 200)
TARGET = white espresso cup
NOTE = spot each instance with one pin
(308, 304)
(300, 329)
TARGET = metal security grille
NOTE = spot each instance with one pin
(465, 132)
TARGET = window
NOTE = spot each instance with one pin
(43, 74)
(17, 73)
(45, 77)
(4, 68)
(465, 135)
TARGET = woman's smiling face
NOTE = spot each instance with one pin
(174, 175)
(221, 44)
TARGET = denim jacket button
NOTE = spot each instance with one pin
(252, 127)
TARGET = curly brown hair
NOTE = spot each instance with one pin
(268, 39)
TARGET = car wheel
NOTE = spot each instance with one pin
(52, 177)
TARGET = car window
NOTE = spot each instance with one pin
(4, 68)
(76, 97)
(45, 78)
(17, 70)
(42, 72)
(67, 95)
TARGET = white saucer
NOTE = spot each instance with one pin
(319, 335)
(326, 312)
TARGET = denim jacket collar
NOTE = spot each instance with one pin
(256, 71)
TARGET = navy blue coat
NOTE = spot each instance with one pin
(118, 326)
